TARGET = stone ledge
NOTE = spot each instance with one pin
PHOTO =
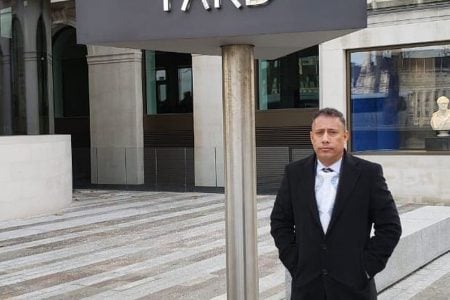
(423, 239)
(35, 175)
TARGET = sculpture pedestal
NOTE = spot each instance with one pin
(437, 143)
(443, 133)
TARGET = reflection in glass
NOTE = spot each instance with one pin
(168, 82)
(161, 75)
(290, 82)
(150, 82)
(185, 88)
(393, 93)
(5, 22)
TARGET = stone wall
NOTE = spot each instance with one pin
(35, 175)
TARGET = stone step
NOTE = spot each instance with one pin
(426, 236)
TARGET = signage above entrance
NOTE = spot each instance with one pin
(274, 27)
(217, 4)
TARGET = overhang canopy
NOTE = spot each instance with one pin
(277, 28)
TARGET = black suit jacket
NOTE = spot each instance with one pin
(339, 260)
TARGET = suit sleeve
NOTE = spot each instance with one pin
(283, 226)
(387, 228)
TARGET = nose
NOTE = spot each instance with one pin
(325, 138)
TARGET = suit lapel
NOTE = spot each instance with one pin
(347, 182)
(307, 188)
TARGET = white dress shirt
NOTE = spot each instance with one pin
(325, 188)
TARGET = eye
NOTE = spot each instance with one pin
(332, 132)
(320, 132)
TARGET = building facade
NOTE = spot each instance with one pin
(153, 119)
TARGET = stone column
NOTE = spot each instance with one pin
(116, 115)
(28, 13)
(208, 121)
(240, 171)
(332, 77)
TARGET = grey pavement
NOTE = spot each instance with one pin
(150, 245)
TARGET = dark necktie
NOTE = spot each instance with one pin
(327, 170)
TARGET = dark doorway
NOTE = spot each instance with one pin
(71, 98)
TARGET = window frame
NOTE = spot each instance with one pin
(348, 91)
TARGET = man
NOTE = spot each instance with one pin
(323, 214)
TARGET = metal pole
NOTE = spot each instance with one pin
(240, 171)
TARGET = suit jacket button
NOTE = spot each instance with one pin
(324, 272)
(324, 247)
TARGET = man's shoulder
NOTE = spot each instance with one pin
(361, 162)
(301, 162)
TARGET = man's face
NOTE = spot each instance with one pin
(328, 138)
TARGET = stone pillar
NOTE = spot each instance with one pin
(29, 13)
(116, 115)
(208, 121)
(240, 171)
(332, 77)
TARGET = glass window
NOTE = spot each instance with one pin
(393, 95)
(5, 22)
(168, 82)
(289, 82)
(70, 75)
(185, 89)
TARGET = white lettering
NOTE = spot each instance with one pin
(167, 4)
(236, 3)
(256, 2)
(187, 3)
(218, 3)
(206, 4)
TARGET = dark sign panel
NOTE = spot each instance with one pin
(275, 27)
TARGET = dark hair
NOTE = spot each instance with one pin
(329, 112)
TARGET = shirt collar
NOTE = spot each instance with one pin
(336, 167)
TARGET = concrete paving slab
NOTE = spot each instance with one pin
(151, 245)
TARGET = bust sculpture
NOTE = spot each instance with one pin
(440, 120)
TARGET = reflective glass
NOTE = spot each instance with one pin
(168, 82)
(289, 82)
(393, 95)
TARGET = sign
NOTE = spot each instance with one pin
(275, 27)
(217, 4)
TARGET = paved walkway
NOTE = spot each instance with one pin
(150, 245)
(129, 245)
(432, 282)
